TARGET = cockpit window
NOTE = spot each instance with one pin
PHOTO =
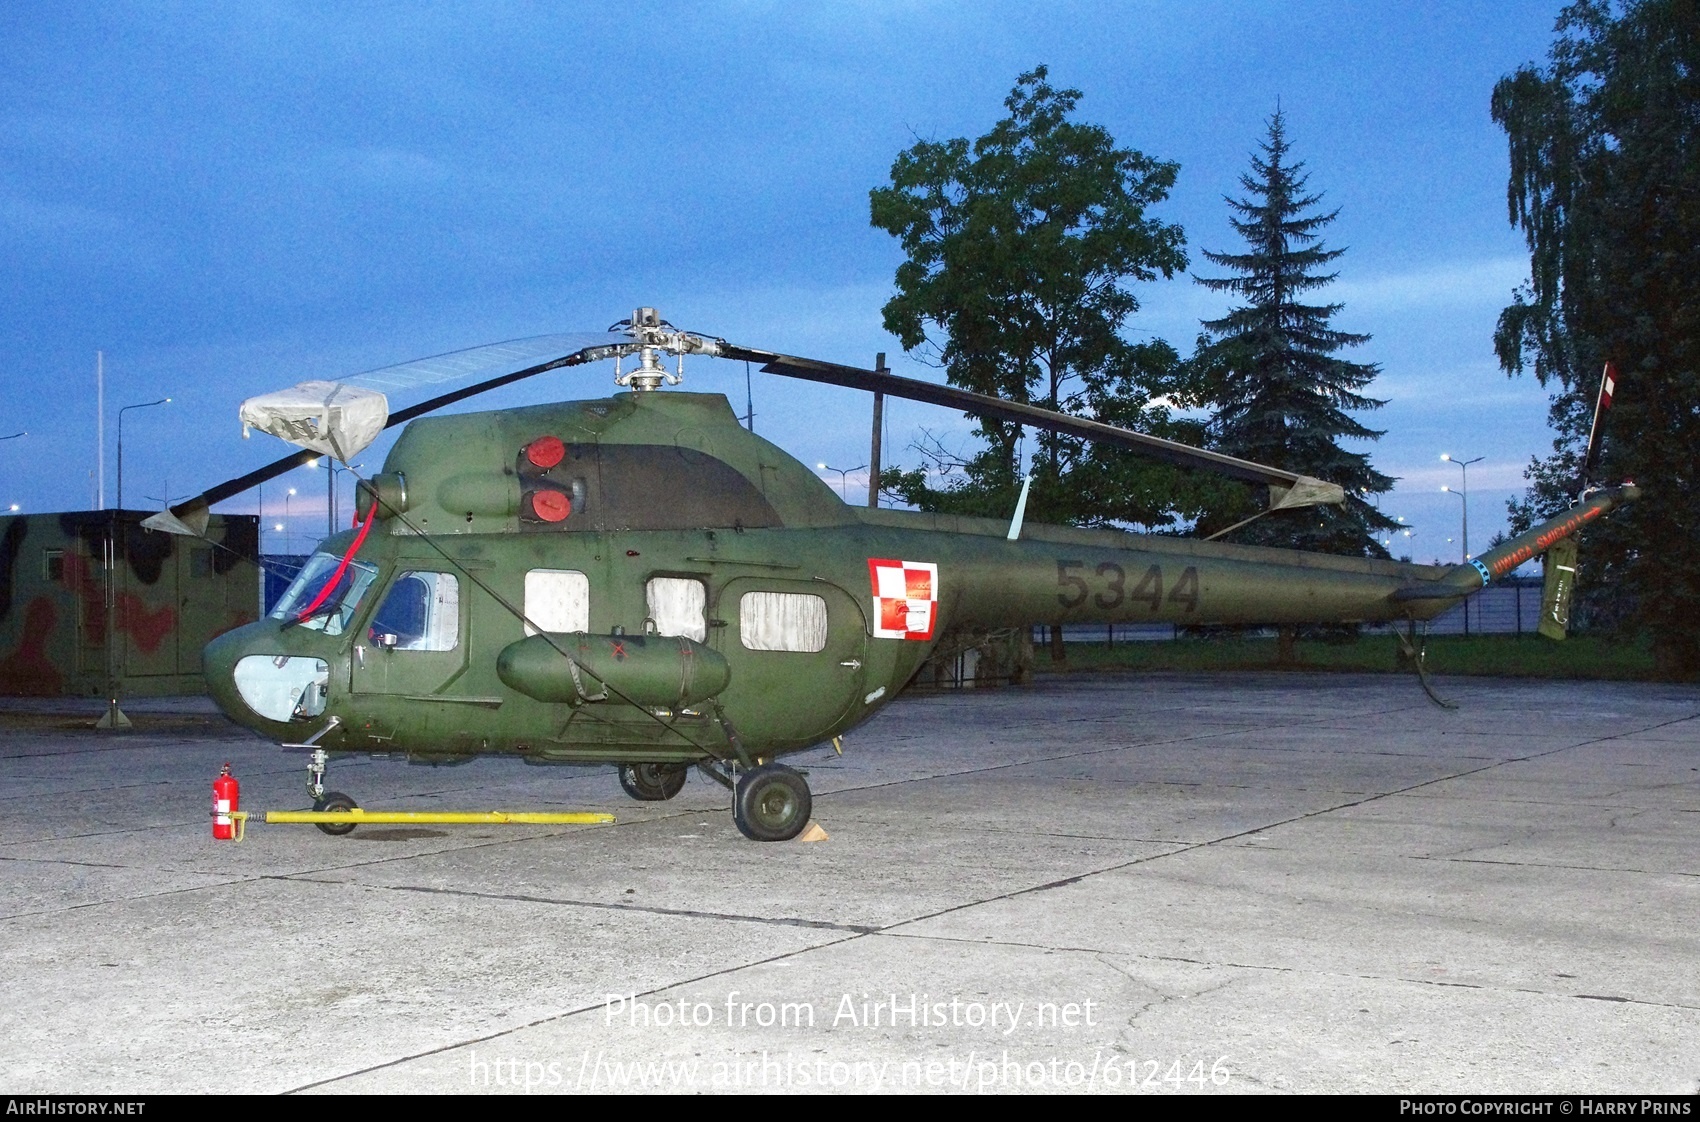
(332, 615)
(421, 612)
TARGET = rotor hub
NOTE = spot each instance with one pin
(653, 336)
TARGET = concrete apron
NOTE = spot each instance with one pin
(1156, 884)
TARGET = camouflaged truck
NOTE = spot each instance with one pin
(168, 597)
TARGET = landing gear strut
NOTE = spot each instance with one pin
(327, 800)
(771, 803)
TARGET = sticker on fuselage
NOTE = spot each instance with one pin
(906, 598)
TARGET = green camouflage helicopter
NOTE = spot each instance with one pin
(641, 581)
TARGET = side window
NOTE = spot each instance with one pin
(557, 600)
(782, 621)
(679, 606)
(420, 613)
(53, 565)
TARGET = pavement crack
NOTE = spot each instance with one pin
(646, 909)
(1165, 742)
(554, 1017)
(1561, 865)
(68, 861)
(1273, 968)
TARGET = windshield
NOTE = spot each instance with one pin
(338, 608)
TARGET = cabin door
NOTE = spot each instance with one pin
(796, 649)
(416, 644)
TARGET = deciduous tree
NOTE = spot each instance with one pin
(1022, 246)
(1605, 184)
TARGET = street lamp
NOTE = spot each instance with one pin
(287, 495)
(1463, 493)
(121, 412)
(843, 477)
(331, 510)
(1464, 546)
(115, 718)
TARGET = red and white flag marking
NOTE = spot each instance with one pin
(906, 598)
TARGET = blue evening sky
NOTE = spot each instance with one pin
(226, 199)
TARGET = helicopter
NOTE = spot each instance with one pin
(640, 580)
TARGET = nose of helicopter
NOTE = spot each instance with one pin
(218, 667)
(263, 680)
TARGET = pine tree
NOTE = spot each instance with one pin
(1269, 369)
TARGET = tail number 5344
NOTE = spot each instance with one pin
(1111, 582)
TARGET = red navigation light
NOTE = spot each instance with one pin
(550, 506)
(545, 452)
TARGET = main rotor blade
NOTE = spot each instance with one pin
(1293, 489)
(190, 513)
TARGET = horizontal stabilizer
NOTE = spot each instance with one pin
(1558, 589)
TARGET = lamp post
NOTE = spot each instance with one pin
(312, 464)
(115, 720)
(843, 477)
(287, 495)
(1464, 548)
(351, 469)
(15, 507)
(1463, 493)
(121, 412)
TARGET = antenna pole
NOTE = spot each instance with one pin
(879, 425)
(100, 430)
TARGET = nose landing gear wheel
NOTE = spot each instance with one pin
(771, 803)
(335, 800)
(652, 783)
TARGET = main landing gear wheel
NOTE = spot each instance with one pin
(771, 803)
(652, 783)
(335, 800)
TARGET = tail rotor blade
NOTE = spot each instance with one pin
(1602, 403)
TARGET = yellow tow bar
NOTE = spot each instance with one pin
(358, 817)
(439, 817)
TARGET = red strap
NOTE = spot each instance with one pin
(325, 592)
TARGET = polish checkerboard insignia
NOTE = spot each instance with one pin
(906, 598)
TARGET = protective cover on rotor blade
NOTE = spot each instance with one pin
(1305, 491)
(333, 418)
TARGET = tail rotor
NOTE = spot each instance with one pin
(1558, 588)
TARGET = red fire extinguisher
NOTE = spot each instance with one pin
(226, 795)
